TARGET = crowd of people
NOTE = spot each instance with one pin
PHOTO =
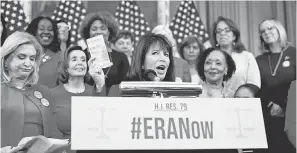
(41, 71)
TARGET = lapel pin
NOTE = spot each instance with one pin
(44, 102)
(286, 63)
(37, 94)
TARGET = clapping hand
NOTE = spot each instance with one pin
(96, 73)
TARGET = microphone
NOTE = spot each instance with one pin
(150, 75)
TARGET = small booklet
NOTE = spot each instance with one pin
(97, 48)
(41, 144)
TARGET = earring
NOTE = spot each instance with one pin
(233, 43)
(6, 66)
(217, 45)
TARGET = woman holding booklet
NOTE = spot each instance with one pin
(74, 69)
(104, 23)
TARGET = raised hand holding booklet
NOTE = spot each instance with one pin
(97, 48)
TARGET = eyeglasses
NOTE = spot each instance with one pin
(267, 29)
(64, 27)
(226, 30)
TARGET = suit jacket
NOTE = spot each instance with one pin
(290, 120)
(12, 113)
(182, 70)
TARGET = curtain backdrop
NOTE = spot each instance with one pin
(249, 14)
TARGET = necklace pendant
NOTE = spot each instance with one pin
(273, 73)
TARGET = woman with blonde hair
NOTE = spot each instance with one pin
(278, 69)
(25, 105)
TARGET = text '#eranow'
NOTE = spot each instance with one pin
(176, 128)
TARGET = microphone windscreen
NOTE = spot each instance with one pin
(149, 75)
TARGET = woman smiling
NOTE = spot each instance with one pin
(214, 68)
(46, 32)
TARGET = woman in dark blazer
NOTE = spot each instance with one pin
(104, 23)
(26, 109)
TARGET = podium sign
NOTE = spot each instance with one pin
(135, 123)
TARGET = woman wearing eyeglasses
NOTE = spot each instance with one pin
(226, 37)
(64, 34)
(278, 69)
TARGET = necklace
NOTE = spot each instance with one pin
(277, 64)
(210, 90)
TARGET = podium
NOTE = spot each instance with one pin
(178, 120)
(162, 89)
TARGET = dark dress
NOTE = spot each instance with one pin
(275, 89)
(116, 73)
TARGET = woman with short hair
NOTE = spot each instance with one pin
(104, 23)
(75, 68)
(226, 37)
(190, 49)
